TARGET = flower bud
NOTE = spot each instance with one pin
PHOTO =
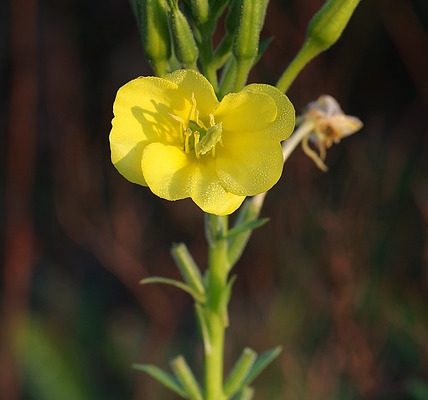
(200, 10)
(329, 22)
(186, 50)
(154, 30)
(251, 22)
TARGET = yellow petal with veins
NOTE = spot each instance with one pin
(283, 125)
(191, 82)
(249, 163)
(173, 175)
(140, 117)
(237, 110)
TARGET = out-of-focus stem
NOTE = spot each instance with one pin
(288, 147)
(253, 206)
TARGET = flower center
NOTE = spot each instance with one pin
(196, 136)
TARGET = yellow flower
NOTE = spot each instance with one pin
(174, 136)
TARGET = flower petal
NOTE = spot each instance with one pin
(246, 111)
(167, 171)
(191, 82)
(172, 174)
(249, 163)
(208, 192)
(284, 122)
(142, 115)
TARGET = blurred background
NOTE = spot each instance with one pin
(339, 277)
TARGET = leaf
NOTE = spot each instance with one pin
(261, 363)
(175, 283)
(263, 46)
(185, 376)
(224, 301)
(166, 379)
(245, 226)
(245, 394)
(188, 268)
(204, 327)
(236, 378)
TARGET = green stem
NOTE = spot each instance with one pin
(211, 74)
(243, 68)
(228, 78)
(206, 54)
(214, 360)
(305, 54)
(213, 309)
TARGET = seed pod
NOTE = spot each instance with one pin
(328, 23)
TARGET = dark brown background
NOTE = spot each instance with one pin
(338, 277)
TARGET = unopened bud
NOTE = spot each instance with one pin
(251, 22)
(200, 10)
(154, 30)
(328, 23)
(186, 50)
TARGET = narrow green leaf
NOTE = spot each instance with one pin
(236, 378)
(224, 301)
(166, 379)
(264, 44)
(261, 363)
(248, 212)
(245, 226)
(175, 283)
(204, 328)
(185, 376)
(246, 394)
(188, 268)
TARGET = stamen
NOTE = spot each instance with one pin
(187, 134)
(177, 118)
(193, 109)
(196, 136)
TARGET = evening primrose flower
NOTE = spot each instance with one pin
(174, 136)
